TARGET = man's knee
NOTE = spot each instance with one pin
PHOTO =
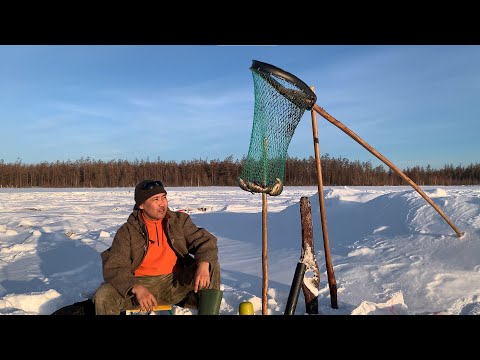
(215, 275)
(104, 292)
(107, 300)
(186, 277)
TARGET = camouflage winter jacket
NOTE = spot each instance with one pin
(131, 242)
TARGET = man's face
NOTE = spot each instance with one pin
(155, 207)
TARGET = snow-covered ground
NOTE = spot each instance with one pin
(392, 252)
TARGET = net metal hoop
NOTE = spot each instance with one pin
(267, 70)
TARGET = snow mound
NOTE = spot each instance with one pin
(41, 303)
(394, 306)
(437, 193)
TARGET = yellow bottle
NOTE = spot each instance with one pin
(245, 308)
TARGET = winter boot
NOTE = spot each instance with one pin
(209, 301)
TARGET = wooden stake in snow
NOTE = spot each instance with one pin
(310, 285)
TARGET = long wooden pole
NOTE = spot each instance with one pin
(355, 137)
(332, 283)
(264, 233)
(264, 255)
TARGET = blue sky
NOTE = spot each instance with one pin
(416, 105)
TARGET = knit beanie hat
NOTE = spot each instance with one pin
(146, 189)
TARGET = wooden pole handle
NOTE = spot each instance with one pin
(357, 138)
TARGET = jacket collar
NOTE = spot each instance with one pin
(136, 216)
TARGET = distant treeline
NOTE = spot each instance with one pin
(298, 172)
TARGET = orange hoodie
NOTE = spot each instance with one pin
(160, 258)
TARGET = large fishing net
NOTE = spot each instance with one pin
(280, 101)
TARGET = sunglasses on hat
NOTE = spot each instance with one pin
(152, 184)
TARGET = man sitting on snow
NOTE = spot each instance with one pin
(157, 257)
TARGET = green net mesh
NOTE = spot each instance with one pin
(279, 106)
